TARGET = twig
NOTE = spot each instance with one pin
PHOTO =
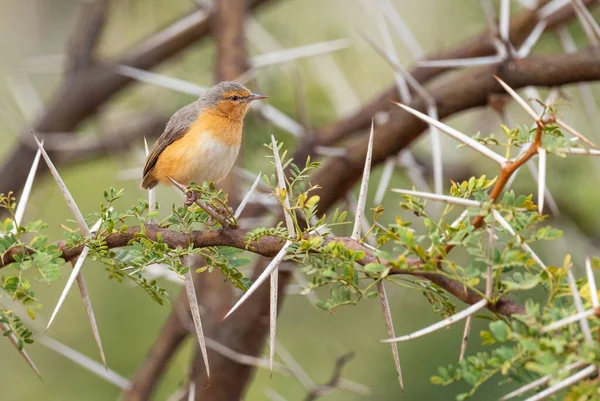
(333, 381)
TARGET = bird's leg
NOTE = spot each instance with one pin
(190, 198)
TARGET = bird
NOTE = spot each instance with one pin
(202, 140)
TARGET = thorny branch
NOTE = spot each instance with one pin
(270, 246)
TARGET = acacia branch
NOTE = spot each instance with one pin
(267, 246)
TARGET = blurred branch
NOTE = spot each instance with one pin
(86, 36)
(228, 30)
(482, 45)
(334, 381)
(340, 174)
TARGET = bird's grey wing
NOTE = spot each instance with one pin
(177, 126)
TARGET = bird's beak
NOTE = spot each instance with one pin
(256, 96)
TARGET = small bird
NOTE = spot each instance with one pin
(201, 140)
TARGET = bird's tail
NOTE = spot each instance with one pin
(149, 181)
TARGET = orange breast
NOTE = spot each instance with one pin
(206, 152)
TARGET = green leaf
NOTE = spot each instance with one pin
(500, 330)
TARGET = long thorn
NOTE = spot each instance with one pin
(195, 310)
(440, 325)
(583, 322)
(20, 212)
(582, 374)
(436, 197)
(152, 191)
(539, 382)
(518, 99)
(506, 225)
(541, 178)
(70, 282)
(91, 316)
(244, 202)
(470, 142)
(262, 278)
(389, 325)
(591, 282)
(13, 339)
(364, 188)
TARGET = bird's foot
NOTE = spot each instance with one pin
(190, 198)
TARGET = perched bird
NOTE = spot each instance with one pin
(201, 140)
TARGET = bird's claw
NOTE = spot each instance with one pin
(190, 198)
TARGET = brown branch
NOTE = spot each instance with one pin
(334, 381)
(266, 246)
(228, 29)
(86, 36)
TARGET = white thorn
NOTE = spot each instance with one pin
(465, 338)
(14, 340)
(588, 23)
(574, 132)
(442, 324)
(567, 320)
(518, 99)
(389, 324)
(20, 212)
(279, 119)
(457, 135)
(178, 85)
(583, 322)
(388, 46)
(461, 62)
(504, 22)
(192, 390)
(436, 197)
(70, 282)
(550, 8)
(591, 282)
(364, 188)
(580, 151)
(152, 191)
(287, 55)
(541, 179)
(294, 367)
(244, 202)
(87, 302)
(384, 181)
(402, 29)
(63, 188)
(281, 183)
(506, 225)
(539, 382)
(532, 39)
(87, 363)
(436, 151)
(273, 316)
(262, 278)
(563, 384)
(195, 310)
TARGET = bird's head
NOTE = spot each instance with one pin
(230, 99)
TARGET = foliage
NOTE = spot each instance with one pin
(499, 263)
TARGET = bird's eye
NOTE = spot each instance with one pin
(235, 98)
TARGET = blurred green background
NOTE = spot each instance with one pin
(34, 33)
